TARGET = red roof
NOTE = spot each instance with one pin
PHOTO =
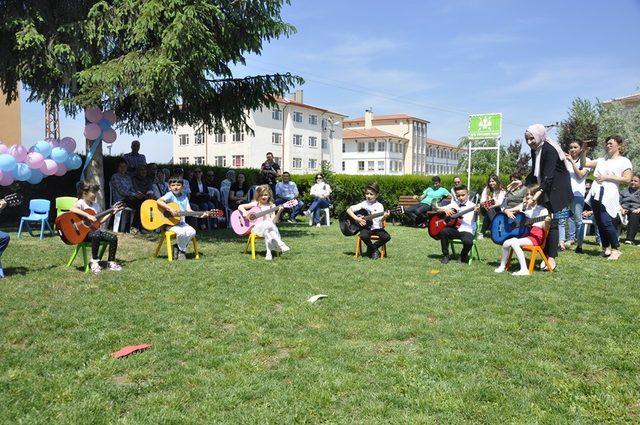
(304, 105)
(386, 118)
(440, 143)
(368, 133)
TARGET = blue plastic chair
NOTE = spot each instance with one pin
(38, 211)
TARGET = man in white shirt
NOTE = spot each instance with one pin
(466, 230)
(286, 190)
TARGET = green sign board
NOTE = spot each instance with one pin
(485, 126)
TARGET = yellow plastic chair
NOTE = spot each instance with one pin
(535, 250)
(251, 244)
(383, 248)
(84, 246)
(166, 238)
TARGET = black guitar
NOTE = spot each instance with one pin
(350, 227)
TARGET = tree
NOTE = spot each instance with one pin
(155, 63)
(582, 123)
(484, 161)
(614, 118)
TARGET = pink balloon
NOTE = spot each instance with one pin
(49, 167)
(4, 148)
(93, 114)
(110, 116)
(92, 131)
(34, 160)
(62, 169)
(6, 179)
(109, 135)
(19, 152)
(68, 144)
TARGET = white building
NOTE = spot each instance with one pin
(300, 136)
(407, 150)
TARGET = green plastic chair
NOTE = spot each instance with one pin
(85, 257)
(64, 204)
(474, 247)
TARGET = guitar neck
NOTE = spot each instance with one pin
(265, 212)
(463, 212)
(190, 213)
(104, 213)
(537, 219)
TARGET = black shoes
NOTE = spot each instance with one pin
(375, 255)
(578, 250)
(445, 259)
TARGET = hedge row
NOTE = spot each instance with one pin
(347, 189)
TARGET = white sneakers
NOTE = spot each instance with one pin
(317, 224)
(521, 272)
(268, 256)
(111, 265)
(499, 270)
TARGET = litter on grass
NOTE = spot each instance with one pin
(316, 298)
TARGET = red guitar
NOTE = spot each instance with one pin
(438, 222)
(73, 229)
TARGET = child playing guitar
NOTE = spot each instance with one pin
(184, 232)
(372, 206)
(87, 200)
(466, 230)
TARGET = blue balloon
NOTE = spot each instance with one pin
(7, 162)
(22, 172)
(73, 162)
(104, 124)
(43, 148)
(36, 177)
(59, 154)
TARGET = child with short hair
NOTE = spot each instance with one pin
(372, 206)
(184, 232)
(532, 208)
(87, 199)
(267, 229)
(466, 230)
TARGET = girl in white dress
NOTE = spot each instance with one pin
(263, 199)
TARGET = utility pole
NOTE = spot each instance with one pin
(51, 120)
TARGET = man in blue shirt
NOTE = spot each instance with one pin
(432, 194)
(287, 190)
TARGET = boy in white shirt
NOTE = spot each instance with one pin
(371, 206)
(466, 230)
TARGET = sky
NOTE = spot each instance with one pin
(439, 61)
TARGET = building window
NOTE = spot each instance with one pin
(400, 166)
(199, 139)
(313, 142)
(276, 138)
(199, 160)
(313, 163)
(183, 160)
(297, 116)
(381, 146)
(238, 160)
(380, 165)
(370, 165)
(277, 160)
(220, 161)
(184, 139)
(220, 138)
(344, 147)
(297, 162)
(276, 114)
(325, 144)
(238, 136)
(297, 140)
(360, 165)
(313, 119)
(343, 166)
(324, 123)
(372, 146)
(361, 147)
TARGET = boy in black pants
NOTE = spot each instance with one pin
(466, 230)
(372, 206)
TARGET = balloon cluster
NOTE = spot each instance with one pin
(45, 158)
(99, 125)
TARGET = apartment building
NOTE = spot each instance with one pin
(417, 153)
(300, 136)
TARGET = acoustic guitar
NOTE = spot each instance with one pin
(503, 227)
(73, 228)
(350, 227)
(153, 217)
(13, 199)
(243, 226)
(440, 221)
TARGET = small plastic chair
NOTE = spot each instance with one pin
(327, 215)
(166, 238)
(63, 204)
(38, 212)
(474, 247)
(535, 250)
(84, 246)
(383, 248)
(251, 244)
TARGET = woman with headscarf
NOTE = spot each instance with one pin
(550, 172)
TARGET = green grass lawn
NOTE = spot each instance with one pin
(234, 340)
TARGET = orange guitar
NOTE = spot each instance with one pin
(153, 217)
(73, 229)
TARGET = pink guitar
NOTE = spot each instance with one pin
(243, 226)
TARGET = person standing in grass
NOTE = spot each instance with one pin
(267, 228)
(184, 232)
(466, 230)
(432, 194)
(532, 209)
(371, 206)
(87, 199)
(609, 171)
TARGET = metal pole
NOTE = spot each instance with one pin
(469, 166)
(498, 158)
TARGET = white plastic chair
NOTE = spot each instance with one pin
(117, 216)
(327, 214)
